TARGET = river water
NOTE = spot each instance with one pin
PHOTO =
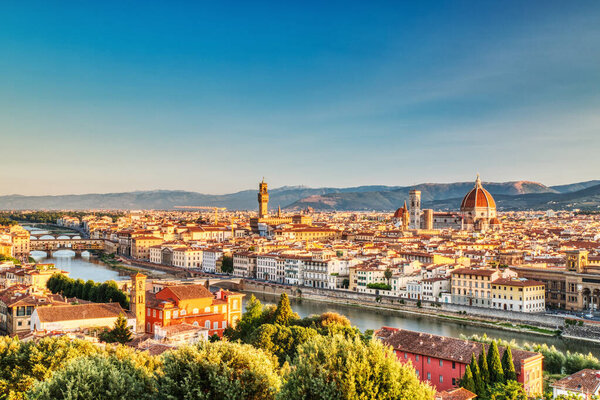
(79, 267)
(373, 318)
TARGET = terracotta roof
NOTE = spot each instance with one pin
(478, 197)
(584, 381)
(455, 394)
(79, 311)
(517, 282)
(186, 292)
(474, 271)
(446, 348)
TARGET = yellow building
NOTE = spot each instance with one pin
(140, 246)
(514, 294)
(473, 286)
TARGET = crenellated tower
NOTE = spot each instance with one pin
(263, 199)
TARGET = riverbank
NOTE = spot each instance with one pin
(410, 307)
(110, 261)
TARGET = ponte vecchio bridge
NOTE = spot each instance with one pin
(51, 244)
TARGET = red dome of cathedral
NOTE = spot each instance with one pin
(401, 211)
(478, 197)
(494, 221)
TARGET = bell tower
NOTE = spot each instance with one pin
(137, 302)
(414, 197)
(263, 199)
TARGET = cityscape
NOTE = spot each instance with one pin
(316, 201)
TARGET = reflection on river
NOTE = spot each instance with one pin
(79, 267)
(367, 318)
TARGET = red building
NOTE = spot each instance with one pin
(441, 360)
(194, 305)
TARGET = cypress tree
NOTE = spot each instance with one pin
(495, 364)
(467, 381)
(479, 384)
(283, 313)
(483, 367)
(508, 365)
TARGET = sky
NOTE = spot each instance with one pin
(211, 96)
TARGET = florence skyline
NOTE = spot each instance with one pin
(209, 98)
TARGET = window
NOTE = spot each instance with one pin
(405, 355)
(216, 325)
(175, 313)
(235, 304)
(429, 376)
(453, 381)
(154, 313)
(148, 312)
(195, 311)
(183, 312)
(417, 357)
(428, 360)
(207, 309)
(441, 379)
(441, 363)
(160, 314)
(207, 324)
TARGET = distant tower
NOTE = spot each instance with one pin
(414, 197)
(137, 302)
(405, 217)
(278, 211)
(263, 199)
(428, 219)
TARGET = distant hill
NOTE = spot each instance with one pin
(509, 196)
(574, 187)
(430, 193)
(167, 199)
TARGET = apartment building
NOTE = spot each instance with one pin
(518, 294)
(473, 286)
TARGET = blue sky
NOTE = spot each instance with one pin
(211, 96)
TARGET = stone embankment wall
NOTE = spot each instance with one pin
(407, 305)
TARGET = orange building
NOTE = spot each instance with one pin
(194, 305)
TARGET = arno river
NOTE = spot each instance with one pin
(363, 318)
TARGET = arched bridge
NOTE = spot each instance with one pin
(77, 245)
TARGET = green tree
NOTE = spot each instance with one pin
(483, 367)
(96, 377)
(283, 313)
(221, 370)
(121, 332)
(227, 264)
(388, 275)
(22, 364)
(249, 321)
(494, 364)
(467, 380)
(508, 365)
(511, 390)
(334, 367)
(477, 379)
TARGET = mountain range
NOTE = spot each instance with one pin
(518, 195)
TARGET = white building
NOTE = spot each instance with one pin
(266, 267)
(210, 258)
(244, 264)
(187, 257)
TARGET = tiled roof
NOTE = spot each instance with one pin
(584, 381)
(79, 311)
(443, 347)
